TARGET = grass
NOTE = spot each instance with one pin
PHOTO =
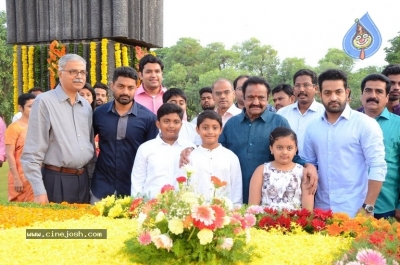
(4, 182)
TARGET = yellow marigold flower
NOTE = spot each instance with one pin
(100, 207)
(127, 200)
(109, 200)
(175, 225)
(205, 236)
(115, 211)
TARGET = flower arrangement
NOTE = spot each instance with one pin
(56, 51)
(311, 222)
(114, 207)
(104, 43)
(93, 62)
(179, 227)
(125, 58)
(24, 55)
(117, 55)
(366, 256)
(31, 77)
(15, 77)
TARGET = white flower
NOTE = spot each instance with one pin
(154, 233)
(227, 244)
(141, 218)
(190, 198)
(160, 216)
(189, 170)
(228, 203)
(248, 237)
(175, 225)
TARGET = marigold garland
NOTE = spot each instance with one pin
(31, 76)
(24, 55)
(104, 43)
(125, 58)
(15, 77)
(117, 54)
(93, 62)
(56, 51)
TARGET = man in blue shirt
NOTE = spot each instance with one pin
(375, 90)
(247, 134)
(348, 148)
(122, 125)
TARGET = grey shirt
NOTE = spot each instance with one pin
(59, 134)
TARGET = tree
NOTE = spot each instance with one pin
(393, 52)
(6, 62)
(336, 58)
(289, 67)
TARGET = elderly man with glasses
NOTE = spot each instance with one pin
(224, 95)
(59, 142)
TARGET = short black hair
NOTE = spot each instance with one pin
(125, 71)
(206, 89)
(391, 69)
(286, 88)
(23, 98)
(173, 92)
(169, 108)
(209, 114)
(102, 86)
(237, 79)
(332, 74)
(150, 58)
(376, 77)
(281, 132)
(255, 80)
(35, 89)
(312, 74)
(89, 87)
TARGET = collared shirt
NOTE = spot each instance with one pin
(229, 113)
(188, 132)
(396, 109)
(221, 163)
(119, 139)
(2, 140)
(249, 140)
(299, 122)
(153, 103)
(59, 134)
(345, 152)
(156, 164)
(388, 199)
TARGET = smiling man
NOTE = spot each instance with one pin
(122, 125)
(150, 92)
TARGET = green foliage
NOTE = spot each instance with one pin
(289, 67)
(393, 52)
(338, 59)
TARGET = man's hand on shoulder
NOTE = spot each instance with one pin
(184, 159)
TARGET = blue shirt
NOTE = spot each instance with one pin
(388, 199)
(343, 152)
(119, 139)
(249, 140)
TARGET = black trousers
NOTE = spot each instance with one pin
(63, 187)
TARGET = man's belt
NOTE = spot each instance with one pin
(66, 170)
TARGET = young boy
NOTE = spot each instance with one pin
(212, 159)
(188, 131)
(157, 161)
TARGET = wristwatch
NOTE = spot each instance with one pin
(368, 208)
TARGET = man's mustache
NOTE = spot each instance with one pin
(373, 99)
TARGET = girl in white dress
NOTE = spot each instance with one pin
(279, 183)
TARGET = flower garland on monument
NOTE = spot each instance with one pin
(31, 75)
(15, 78)
(24, 55)
(56, 51)
(125, 58)
(93, 63)
(104, 43)
(117, 54)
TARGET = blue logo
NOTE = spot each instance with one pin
(363, 39)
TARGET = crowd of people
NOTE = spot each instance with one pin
(81, 147)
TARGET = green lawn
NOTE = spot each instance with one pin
(3, 182)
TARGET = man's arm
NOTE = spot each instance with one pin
(35, 148)
(2, 142)
(310, 174)
(139, 172)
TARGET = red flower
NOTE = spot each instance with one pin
(181, 179)
(303, 212)
(318, 225)
(267, 222)
(167, 188)
(270, 211)
(322, 214)
(377, 238)
(217, 182)
(219, 216)
(283, 221)
(135, 203)
(302, 221)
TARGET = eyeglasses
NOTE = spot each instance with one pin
(239, 88)
(306, 85)
(219, 93)
(75, 72)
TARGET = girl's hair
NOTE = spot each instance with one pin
(282, 132)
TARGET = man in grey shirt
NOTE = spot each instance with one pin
(59, 142)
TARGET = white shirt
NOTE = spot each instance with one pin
(222, 163)
(156, 164)
(188, 132)
(299, 122)
(17, 116)
(232, 111)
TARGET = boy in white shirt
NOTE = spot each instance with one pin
(212, 159)
(157, 161)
